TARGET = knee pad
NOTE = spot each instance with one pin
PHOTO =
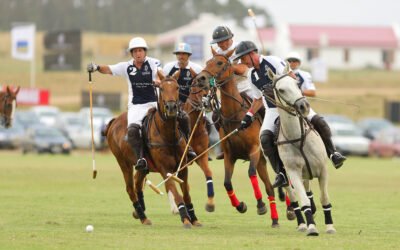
(266, 139)
(134, 130)
(321, 126)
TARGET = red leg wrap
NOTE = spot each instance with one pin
(272, 206)
(232, 196)
(256, 187)
(287, 201)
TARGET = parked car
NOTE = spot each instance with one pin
(348, 139)
(40, 139)
(82, 138)
(373, 125)
(11, 137)
(333, 118)
(26, 118)
(47, 114)
(69, 123)
(386, 143)
(101, 115)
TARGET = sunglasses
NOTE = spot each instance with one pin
(292, 60)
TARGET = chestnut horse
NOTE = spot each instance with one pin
(244, 144)
(194, 107)
(164, 148)
(8, 103)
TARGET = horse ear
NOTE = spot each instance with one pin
(160, 75)
(8, 89)
(176, 74)
(240, 69)
(213, 51)
(16, 92)
(230, 53)
(192, 72)
(271, 74)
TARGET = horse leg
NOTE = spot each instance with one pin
(252, 172)
(310, 196)
(170, 185)
(326, 205)
(140, 205)
(228, 165)
(183, 175)
(171, 199)
(293, 210)
(203, 163)
(296, 180)
(262, 172)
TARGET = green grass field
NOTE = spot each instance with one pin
(47, 201)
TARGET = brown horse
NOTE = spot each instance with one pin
(244, 144)
(8, 103)
(165, 146)
(194, 108)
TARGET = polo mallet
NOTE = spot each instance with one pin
(155, 189)
(91, 123)
(200, 155)
(253, 16)
(175, 177)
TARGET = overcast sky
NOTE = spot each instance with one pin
(343, 12)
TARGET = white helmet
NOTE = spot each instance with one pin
(293, 55)
(137, 42)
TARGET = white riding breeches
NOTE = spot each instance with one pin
(269, 120)
(136, 112)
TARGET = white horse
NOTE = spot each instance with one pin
(301, 150)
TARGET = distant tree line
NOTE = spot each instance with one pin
(117, 16)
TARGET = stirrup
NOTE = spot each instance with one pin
(141, 165)
(280, 181)
(337, 159)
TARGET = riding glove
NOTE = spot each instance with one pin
(92, 67)
(247, 120)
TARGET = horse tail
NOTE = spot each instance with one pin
(104, 131)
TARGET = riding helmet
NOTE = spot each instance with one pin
(221, 33)
(137, 42)
(244, 48)
(183, 48)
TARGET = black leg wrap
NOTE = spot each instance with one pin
(260, 203)
(310, 196)
(183, 212)
(308, 214)
(328, 214)
(139, 210)
(228, 186)
(297, 211)
(191, 213)
(141, 199)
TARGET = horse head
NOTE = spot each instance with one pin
(287, 92)
(169, 97)
(7, 106)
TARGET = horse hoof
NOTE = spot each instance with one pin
(312, 230)
(242, 208)
(187, 224)
(210, 208)
(146, 222)
(290, 215)
(262, 210)
(302, 227)
(275, 223)
(197, 223)
(330, 229)
(134, 214)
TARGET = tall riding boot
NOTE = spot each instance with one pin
(217, 126)
(325, 132)
(136, 142)
(184, 125)
(271, 150)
